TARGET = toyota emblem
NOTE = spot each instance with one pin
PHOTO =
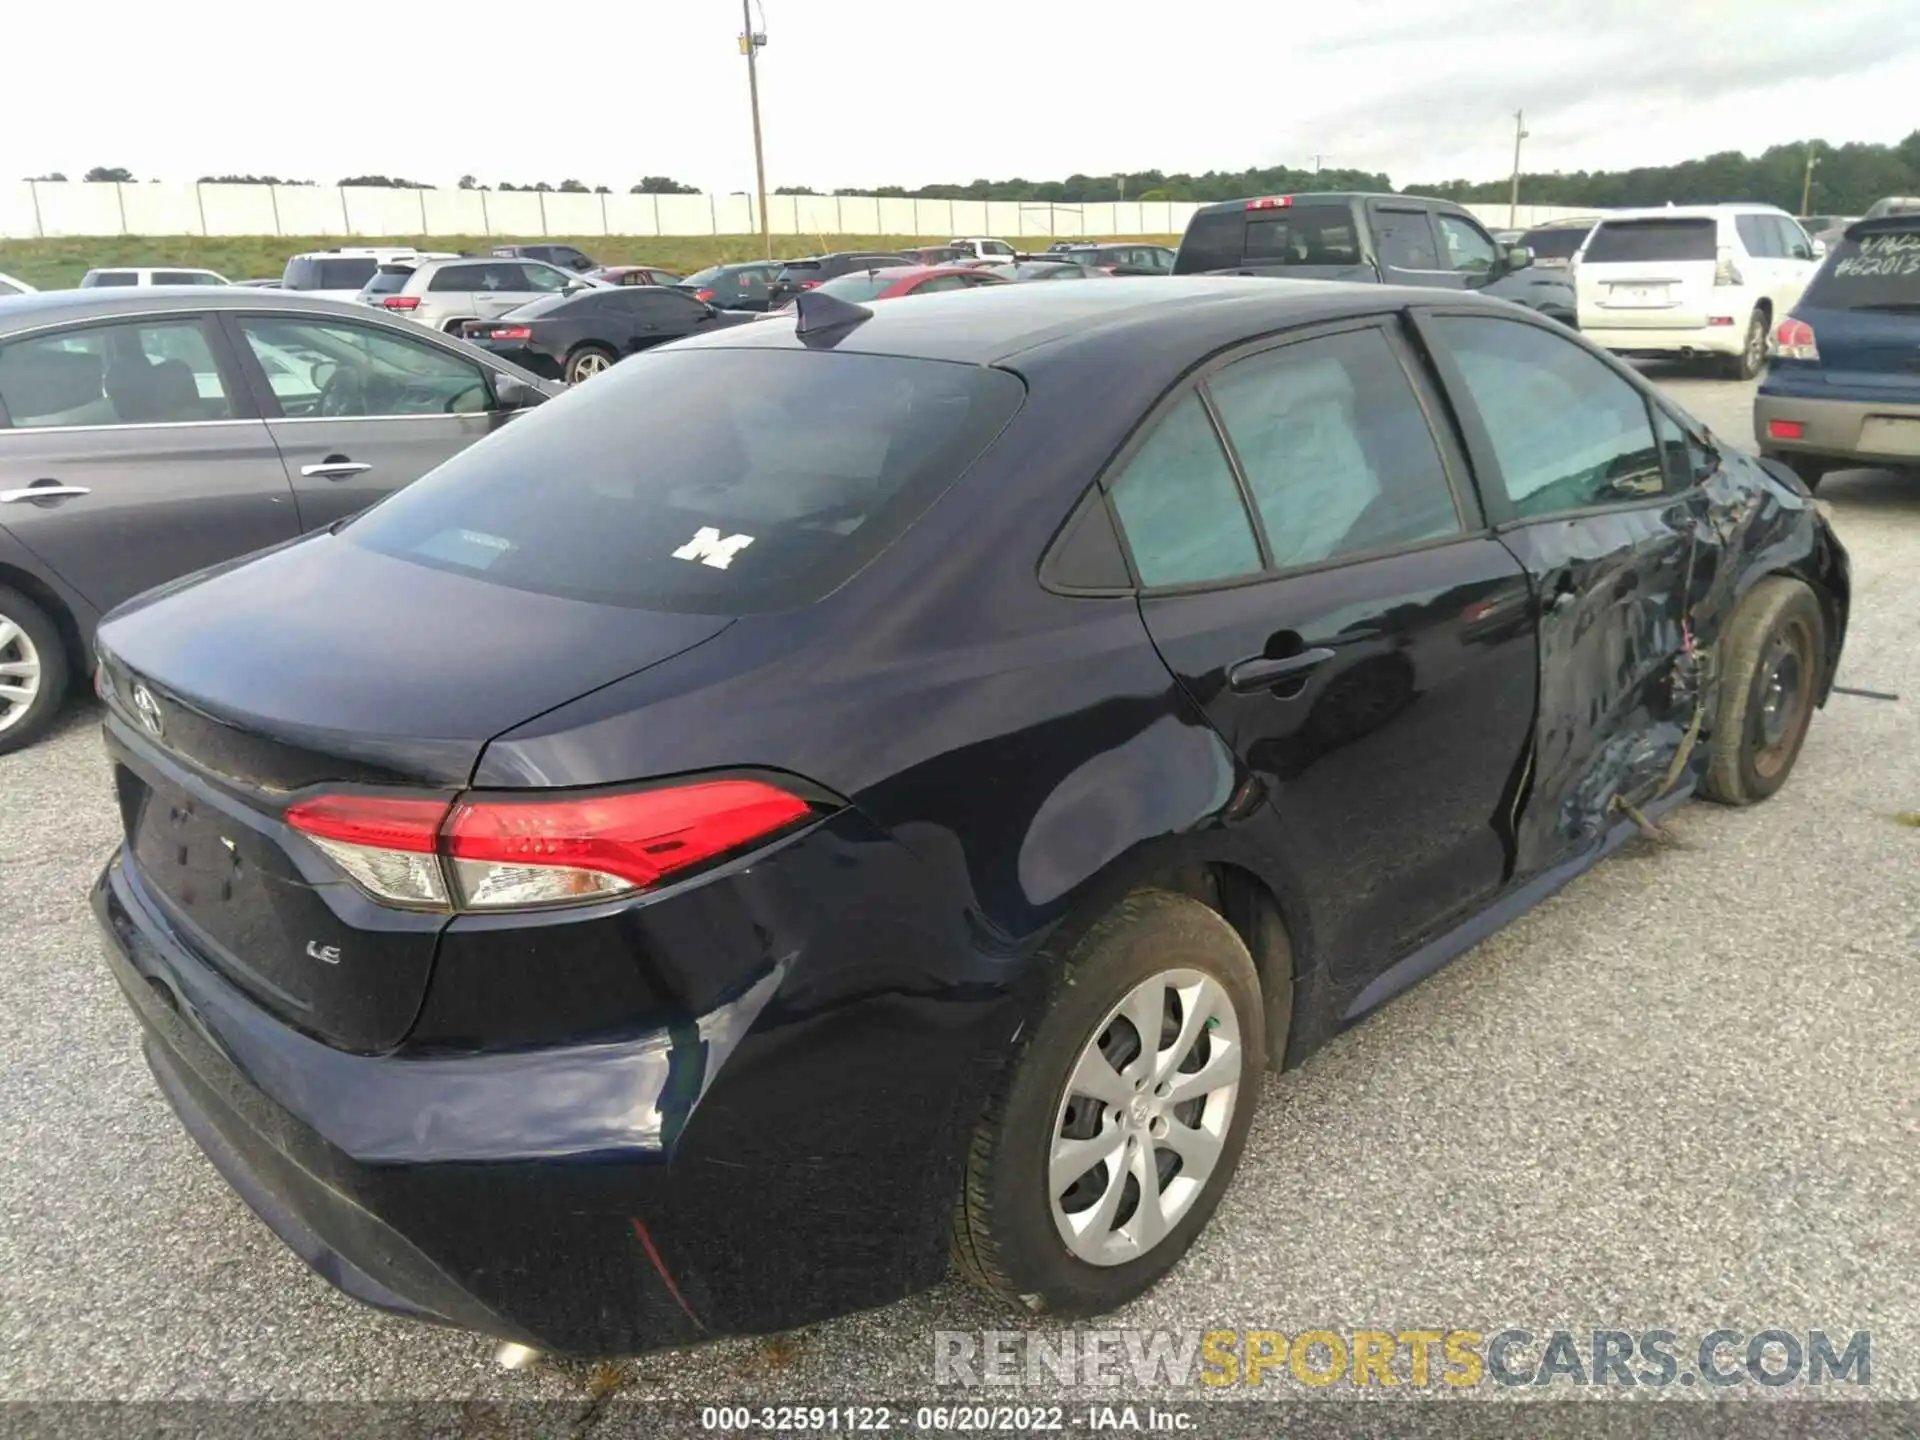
(148, 709)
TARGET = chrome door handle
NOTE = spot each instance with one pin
(1261, 672)
(336, 469)
(43, 492)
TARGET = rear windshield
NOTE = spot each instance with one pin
(713, 481)
(345, 273)
(861, 285)
(799, 267)
(388, 280)
(1632, 241)
(706, 277)
(1873, 267)
(1212, 242)
(1555, 244)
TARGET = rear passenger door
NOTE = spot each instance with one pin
(130, 455)
(1574, 477)
(1317, 576)
(1405, 245)
(358, 411)
(1796, 266)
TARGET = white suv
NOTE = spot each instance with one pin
(1690, 280)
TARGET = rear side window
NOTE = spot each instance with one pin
(1873, 267)
(1335, 448)
(1760, 236)
(1405, 240)
(111, 277)
(712, 481)
(388, 280)
(466, 277)
(1180, 506)
(1635, 241)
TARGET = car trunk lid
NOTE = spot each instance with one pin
(323, 664)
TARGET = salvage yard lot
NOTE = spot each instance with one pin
(51, 264)
(1680, 1095)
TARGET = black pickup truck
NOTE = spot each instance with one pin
(1382, 239)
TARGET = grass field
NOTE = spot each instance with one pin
(52, 264)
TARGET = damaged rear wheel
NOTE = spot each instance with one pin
(1772, 665)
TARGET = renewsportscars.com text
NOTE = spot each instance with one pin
(1417, 1358)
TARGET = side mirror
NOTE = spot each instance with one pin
(510, 392)
(1819, 249)
(573, 287)
(1515, 257)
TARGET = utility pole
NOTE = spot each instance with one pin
(751, 43)
(1316, 163)
(1806, 185)
(1513, 200)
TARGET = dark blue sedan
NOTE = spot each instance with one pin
(883, 784)
(1843, 388)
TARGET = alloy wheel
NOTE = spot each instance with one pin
(585, 367)
(1146, 1112)
(19, 674)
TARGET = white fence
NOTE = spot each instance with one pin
(31, 209)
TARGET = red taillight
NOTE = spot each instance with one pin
(510, 332)
(384, 822)
(808, 284)
(1270, 202)
(703, 295)
(605, 843)
(401, 302)
(1786, 430)
(1794, 341)
(490, 852)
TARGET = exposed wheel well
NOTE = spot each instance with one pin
(1242, 899)
(79, 663)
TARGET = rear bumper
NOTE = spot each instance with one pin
(790, 1156)
(1832, 428)
(1679, 340)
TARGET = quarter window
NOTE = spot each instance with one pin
(1567, 432)
(346, 371)
(1180, 505)
(464, 277)
(1335, 448)
(151, 374)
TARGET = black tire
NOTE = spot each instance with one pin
(1810, 471)
(1005, 1238)
(1772, 667)
(1752, 358)
(586, 361)
(39, 640)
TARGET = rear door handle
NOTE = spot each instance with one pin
(42, 492)
(1260, 672)
(336, 469)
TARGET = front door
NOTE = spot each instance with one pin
(1571, 468)
(128, 456)
(1355, 637)
(360, 410)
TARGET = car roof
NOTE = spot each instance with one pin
(57, 307)
(1171, 322)
(1690, 212)
(146, 269)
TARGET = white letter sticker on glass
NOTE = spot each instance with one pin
(709, 549)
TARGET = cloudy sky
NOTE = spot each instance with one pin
(868, 92)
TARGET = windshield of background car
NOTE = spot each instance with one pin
(713, 481)
(1554, 244)
(1635, 241)
(861, 285)
(1874, 266)
(345, 273)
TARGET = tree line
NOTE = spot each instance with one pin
(1844, 180)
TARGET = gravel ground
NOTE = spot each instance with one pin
(1680, 1095)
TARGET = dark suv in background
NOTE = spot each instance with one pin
(1383, 239)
